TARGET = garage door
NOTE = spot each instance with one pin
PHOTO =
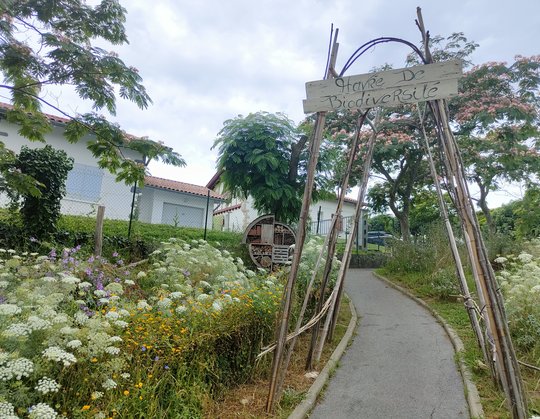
(182, 216)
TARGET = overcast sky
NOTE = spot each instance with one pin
(205, 61)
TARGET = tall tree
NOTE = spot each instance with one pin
(44, 43)
(264, 155)
(496, 116)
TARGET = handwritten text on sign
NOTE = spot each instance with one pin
(387, 88)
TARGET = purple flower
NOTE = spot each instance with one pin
(143, 348)
(186, 272)
(115, 255)
(166, 367)
(156, 358)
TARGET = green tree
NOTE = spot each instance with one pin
(496, 117)
(44, 43)
(50, 168)
(528, 214)
(263, 155)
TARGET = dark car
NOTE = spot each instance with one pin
(378, 237)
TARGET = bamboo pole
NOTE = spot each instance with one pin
(468, 301)
(351, 155)
(334, 306)
(283, 324)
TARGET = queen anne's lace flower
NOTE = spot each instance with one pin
(109, 384)
(47, 385)
(74, 344)
(42, 411)
(164, 303)
(17, 329)
(54, 353)
(112, 350)
(37, 323)
(143, 305)
(7, 411)
(122, 324)
(17, 368)
(9, 309)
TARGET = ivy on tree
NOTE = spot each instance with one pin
(48, 42)
(50, 168)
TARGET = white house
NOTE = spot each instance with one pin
(88, 186)
(165, 201)
(237, 214)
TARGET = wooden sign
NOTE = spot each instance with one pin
(387, 88)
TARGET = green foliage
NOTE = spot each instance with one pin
(50, 168)
(50, 43)
(528, 214)
(263, 155)
(382, 222)
(254, 155)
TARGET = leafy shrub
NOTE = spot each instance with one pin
(88, 338)
(50, 167)
(444, 283)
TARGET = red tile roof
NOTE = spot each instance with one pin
(227, 209)
(52, 118)
(173, 185)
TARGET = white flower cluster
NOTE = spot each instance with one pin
(109, 384)
(42, 411)
(17, 329)
(74, 344)
(164, 304)
(7, 411)
(37, 323)
(47, 385)
(9, 309)
(54, 353)
(143, 305)
(17, 368)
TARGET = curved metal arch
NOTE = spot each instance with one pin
(373, 43)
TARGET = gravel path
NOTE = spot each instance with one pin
(400, 364)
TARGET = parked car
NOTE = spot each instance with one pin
(378, 237)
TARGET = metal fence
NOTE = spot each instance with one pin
(345, 228)
(87, 188)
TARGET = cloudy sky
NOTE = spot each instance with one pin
(205, 61)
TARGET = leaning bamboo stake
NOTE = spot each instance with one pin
(334, 307)
(307, 296)
(334, 233)
(283, 324)
(99, 231)
(468, 301)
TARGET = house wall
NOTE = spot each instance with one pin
(239, 219)
(153, 200)
(87, 186)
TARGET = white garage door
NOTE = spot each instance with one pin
(182, 216)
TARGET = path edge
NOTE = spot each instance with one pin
(304, 408)
(471, 392)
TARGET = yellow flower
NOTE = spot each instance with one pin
(126, 392)
(140, 397)
(85, 407)
(149, 375)
(93, 360)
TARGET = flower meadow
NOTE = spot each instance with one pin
(520, 284)
(83, 337)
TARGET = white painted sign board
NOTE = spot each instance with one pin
(386, 88)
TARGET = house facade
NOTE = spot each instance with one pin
(237, 214)
(164, 201)
(88, 186)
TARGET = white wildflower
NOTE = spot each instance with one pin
(112, 350)
(9, 309)
(17, 368)
(164, 304)
(143, 305)
(37, 323)
(109, 384)
(49, 279)
(104, 300)
(11, 251)
(54, 353)
(7, 410)
(217, 306)
(84, 285)
(129, 282)
(120, 323)
(141, 274)
(4, 284)
(96, 395)
(42, 411)
(80, 317)
(100, 293)
(115, 339)
(69, 279)
(74, 344)
(525, 257)
(125, 375)
(181, 309)
(112, 315)
(68, 330)
(202, 297)
(115, 288)
(47, 385)
(123, 312)
(17, 329)
(176, 295)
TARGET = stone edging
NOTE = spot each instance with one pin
(310, 400)
(471, 392)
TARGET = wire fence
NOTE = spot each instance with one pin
(345, 228)
(87, 188)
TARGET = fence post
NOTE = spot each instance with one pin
(319, 218)
(206, 215)
(99, 231)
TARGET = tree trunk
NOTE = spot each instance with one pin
(482, 203)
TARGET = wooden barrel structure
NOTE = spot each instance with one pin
(269, 241)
